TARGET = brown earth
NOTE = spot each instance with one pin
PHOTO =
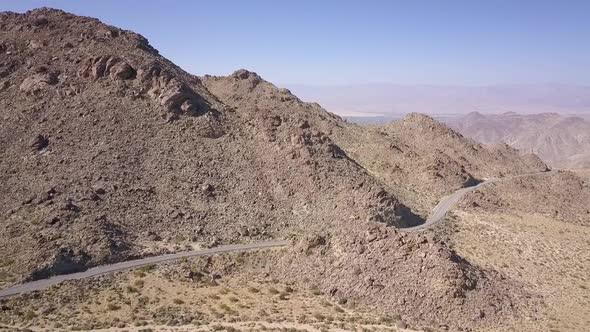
(550, 256)
(109, 152)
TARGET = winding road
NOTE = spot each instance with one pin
(438, 214)
(446, 203)
(442, 208)
(100, 270)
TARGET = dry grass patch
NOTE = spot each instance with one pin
(551, 257)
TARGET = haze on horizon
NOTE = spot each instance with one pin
(535, 52)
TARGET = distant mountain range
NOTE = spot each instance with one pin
(392, 99)
(560, 140)
(551, 120)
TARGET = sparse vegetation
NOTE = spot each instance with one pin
(113, 307)
(319, 317)
(131, 289)
(315, 290)
(29, 315)
(147, 268)
(6, 262)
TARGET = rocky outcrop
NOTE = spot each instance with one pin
(65, 261)
(110, 66)
(415, 277)
(169, 91)
(159, 83)
(38, 82)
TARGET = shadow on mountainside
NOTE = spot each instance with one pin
(408, 218)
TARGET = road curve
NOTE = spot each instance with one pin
(100, 270)
(446, 203)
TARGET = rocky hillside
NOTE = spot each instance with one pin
(559, 195)
(110, 151)
(561, 141)
(422, 159)
(417, 158)
(105, 139)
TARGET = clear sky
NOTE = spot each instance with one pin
(343, 42)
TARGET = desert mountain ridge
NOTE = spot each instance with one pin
(111, 152)
(560, 140)
(386, 99)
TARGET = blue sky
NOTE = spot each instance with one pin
(344, 42)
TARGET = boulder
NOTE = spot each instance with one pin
(108, 65)
(40, 21)
(122, 71)
(38, 82)
(65, 261)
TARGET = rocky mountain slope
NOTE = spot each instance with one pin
(418, 158)
(125, 160)
(422, 159)
(560, 140)
(110, 151)
(560, 195)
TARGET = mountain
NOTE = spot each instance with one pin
(422, 160)
(110, 152)
(560, 140)
(384, 99)
(104, 138)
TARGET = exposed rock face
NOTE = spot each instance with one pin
(111, 66)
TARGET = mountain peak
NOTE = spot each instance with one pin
(244, 74)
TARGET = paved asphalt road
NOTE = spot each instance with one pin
(446, 203)
(438, 214)
(100, 270)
